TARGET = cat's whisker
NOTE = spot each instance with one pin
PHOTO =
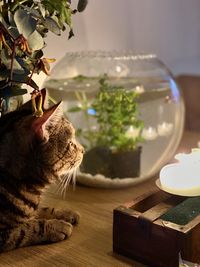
(66, 183)
(58, 186)
(62, 185)
(74, 177)
(65, 187)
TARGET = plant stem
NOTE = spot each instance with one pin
(17, 4)
(12, 61)
(30, 77)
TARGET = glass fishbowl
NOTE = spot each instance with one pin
(127, 111)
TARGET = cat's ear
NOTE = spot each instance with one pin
(28, 105)
(41, 125)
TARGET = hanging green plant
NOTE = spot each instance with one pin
(24, 25)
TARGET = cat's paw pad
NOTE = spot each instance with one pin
(70, 216)
(59, 230)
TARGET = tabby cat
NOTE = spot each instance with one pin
(34, 152)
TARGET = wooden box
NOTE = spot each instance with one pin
(142, 231)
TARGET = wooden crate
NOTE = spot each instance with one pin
(142, 232)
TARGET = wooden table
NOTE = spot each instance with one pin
(91, 242)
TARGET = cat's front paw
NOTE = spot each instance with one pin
(58, 230)
(67, 215)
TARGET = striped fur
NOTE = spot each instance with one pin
(34, 152)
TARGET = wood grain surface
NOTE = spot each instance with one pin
(91, 241)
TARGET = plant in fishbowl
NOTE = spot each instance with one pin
(112, 146)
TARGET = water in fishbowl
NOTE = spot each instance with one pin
(160, 108)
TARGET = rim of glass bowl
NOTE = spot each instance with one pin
(115, 54)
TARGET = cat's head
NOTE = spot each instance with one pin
(33, 147)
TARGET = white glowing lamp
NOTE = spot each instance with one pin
(182, 178)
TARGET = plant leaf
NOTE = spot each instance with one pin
(18, 91)
(3, 74)
(33, 84)
(14, 32)
(12, 91)
(42, 9)
(19, 77)
(3, 22)
(35, 13)
(37, 54)
(23, 78)
(52, 25)
(82, 5)
(11, 19)
(6, 60)
(35, 41)
(67, 16)
(71, 34)
(26, 24)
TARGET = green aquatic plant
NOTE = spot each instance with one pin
(115, 110)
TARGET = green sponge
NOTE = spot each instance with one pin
(184, 212)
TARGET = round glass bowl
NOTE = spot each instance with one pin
(127, 111)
